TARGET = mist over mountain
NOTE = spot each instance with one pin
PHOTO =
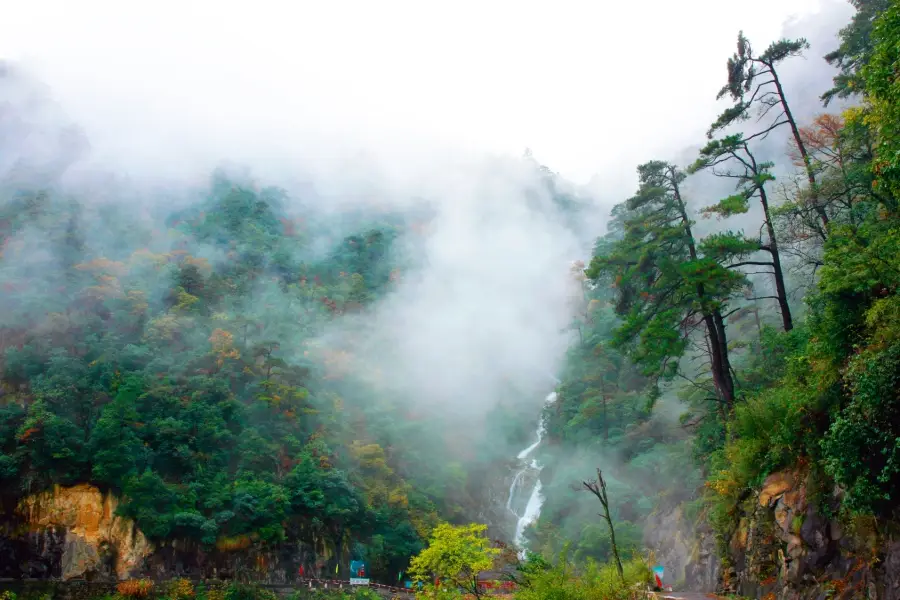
(286, 293)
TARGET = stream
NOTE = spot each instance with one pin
(528, 479)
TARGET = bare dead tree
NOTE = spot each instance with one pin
(598, 488)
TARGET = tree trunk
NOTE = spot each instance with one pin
(780, 288)
(721, 368)
(811, 177)
(598, 488)
(718, 354)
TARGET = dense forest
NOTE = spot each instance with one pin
(183, 357)
(720, 341)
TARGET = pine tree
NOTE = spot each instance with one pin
(732, 158)
(753, 82)
(665, 288)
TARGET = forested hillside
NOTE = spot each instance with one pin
(209, 357)
(177, 359)
(724, 340)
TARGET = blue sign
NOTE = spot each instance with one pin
(357, 569)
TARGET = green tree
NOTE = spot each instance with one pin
(883, 94)
(455, 555)
(731, 157)
(666, 289)
(753, 82)
(855, 49)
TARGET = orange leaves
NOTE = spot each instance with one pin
(231, 544)
(28, 433)
(102, 266)
(135, 588)
(201, 263)
(820, 138)
(106, 273)
(223, 346)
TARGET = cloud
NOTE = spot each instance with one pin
(353, 105)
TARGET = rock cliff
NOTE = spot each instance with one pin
(790, 545)
(71, 533)
(685, 547)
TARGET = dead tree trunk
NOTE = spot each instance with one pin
(598, 488)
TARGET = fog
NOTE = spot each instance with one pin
(365, 106)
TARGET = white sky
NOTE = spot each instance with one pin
(589, 86)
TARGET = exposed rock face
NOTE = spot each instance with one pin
(684, 548)
(79, 529)
(785, 548)
(73, 533)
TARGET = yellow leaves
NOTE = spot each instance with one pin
(201, 263)
(138, 300)
(144, 256)
(381, 484)
(231, 544)
(184, 301)
(424, 522)
(101, 266)
(398, 499)
(370, 456)
(454, 554)
(223, 346)
(163, 328)
(106, 273)
(883, 320)
(722, 484)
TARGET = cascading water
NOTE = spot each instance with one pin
(530, 469)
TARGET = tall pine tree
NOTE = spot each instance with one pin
(666, 290)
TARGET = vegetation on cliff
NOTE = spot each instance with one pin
(778, 326)
(178, 359)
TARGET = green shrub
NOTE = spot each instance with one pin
(565, 582)
(244, 591)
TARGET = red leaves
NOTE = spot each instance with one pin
(28, 433)
(288, 227)
(328, 302)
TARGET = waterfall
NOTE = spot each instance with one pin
(532, 468)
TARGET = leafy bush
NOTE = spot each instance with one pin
(135, 588)
(862, 448)
(243, 591)
(564, 581)
(180, 589)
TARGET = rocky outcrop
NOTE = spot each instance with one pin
(74, 533)
(684, 547)
(786, 548)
